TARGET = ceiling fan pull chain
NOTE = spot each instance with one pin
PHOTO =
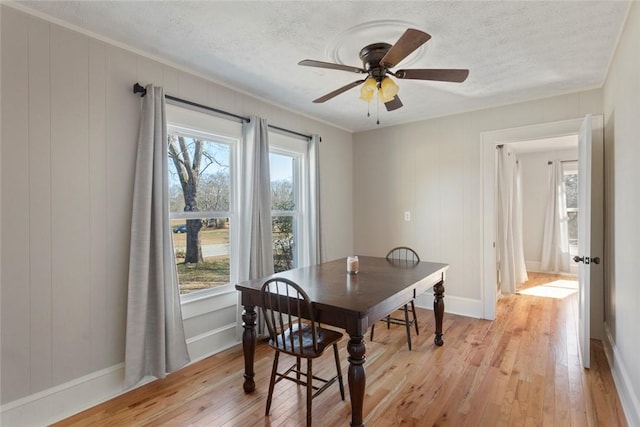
(378, 108)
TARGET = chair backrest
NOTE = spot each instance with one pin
(403, 253)
(286, 306)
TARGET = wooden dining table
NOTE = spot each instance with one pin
(352, 302)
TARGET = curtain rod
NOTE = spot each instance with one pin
(138, 88)
(562, 161)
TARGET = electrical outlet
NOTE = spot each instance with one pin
(407, 216)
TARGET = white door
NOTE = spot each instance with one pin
(584, 238)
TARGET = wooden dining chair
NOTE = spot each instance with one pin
(286, 307)
(406, 257)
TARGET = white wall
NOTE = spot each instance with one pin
(622, 228)
(534, 171)
(69, 130)
(433, 169)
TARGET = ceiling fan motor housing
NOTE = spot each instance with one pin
(371, 56)
(377, 59)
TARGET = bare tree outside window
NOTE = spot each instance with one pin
(283, 241)
(284, 211)
(571, 192)
(199, 192)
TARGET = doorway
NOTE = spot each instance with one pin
(489, 141)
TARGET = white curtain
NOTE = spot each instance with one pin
(509, 242)
(312, 250)
(555, 241)
(256, 246)
(155, 340)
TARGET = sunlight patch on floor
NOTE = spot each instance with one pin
(557, 289)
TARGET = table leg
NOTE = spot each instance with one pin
(249, 317)
(438, 310)
(357, 378)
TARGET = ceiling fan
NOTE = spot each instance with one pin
(377, 60)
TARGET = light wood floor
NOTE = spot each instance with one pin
(522, 369)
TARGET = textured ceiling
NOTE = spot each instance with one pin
(515, 50)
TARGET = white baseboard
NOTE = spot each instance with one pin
(452, 304)
(57, 403)
(628, 397)
(54, 404)
(534, 266)
(221, 339)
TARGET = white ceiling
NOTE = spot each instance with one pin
(515, 50)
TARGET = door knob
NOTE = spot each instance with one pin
(579, 259)
(595, 260)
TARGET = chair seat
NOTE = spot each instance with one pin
(290, 342)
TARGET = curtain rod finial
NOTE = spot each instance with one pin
(137, 88)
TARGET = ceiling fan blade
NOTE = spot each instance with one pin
(338, 91)
(446, 75)
(331, 66)
(394, 104)
(407, 43)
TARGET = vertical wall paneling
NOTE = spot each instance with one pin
(427, 216)
(573, 105)
(69, 141)
(40, 205)
(70, 205)
(122, 131)
(471, 224)
(169, 80)
(192, 88)
(15, 322)
(98, 204)
(149, 71)
(622, 151)
(336, 178)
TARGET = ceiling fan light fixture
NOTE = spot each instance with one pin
(388, 89)
(368, 89)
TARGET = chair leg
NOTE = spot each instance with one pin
(309, 391)
(272, 382)
(407, 325)
(372, 328)
(388, 321)
(335, 353)
(298, 368)
(415, 318)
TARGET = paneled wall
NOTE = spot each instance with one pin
(622, 204)
(69, 130)
(433, 170)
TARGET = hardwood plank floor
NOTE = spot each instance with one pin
(522, 369)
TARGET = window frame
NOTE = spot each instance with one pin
(292, 147)
(192, 123)
(570, 167)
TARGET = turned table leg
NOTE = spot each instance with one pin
(438, 310)
(357, 378)
(249, 317)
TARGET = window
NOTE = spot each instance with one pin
(201, 200)
(571, 191)
(286, 161)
